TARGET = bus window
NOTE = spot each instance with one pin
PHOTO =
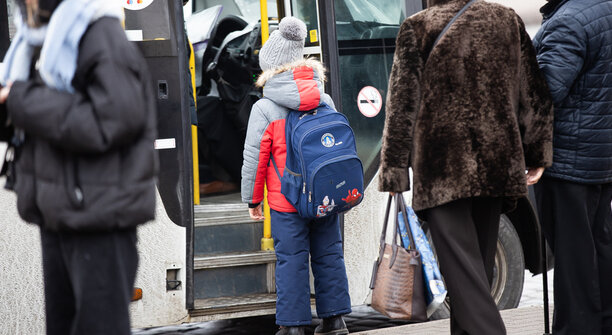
(366, 32)
(306, 10)
(247, 9)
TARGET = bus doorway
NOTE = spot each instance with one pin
(356, 41)
(233, 269)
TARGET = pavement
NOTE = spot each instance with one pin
(527, 319)
(518, 321)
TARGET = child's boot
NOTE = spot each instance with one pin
(291, 331)
(332, 326)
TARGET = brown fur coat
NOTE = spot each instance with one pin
(469, 116)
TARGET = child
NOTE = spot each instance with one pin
(292, 83)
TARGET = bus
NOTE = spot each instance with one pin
(203, 258)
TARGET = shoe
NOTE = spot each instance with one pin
(332, 326)
(217, 187)
(291, 331)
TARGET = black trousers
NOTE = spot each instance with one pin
(577, 223)
(89, 280)
(464, 233)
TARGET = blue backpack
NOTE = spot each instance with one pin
(323, 174)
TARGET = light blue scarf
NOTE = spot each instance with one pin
(60, 42)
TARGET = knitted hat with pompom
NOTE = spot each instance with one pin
(285, 45)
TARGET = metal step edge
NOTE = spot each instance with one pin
(212, 208)
(231, 260)
(223, 220)
(219, 307)
(203, 307)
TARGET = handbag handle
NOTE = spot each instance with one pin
(405, 215)
(399, 201)
(400, 207)
(383, 235)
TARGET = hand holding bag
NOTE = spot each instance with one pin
(397, 277)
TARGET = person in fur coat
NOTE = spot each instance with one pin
(470, 117)
(292, 83)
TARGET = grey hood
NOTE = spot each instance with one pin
(297, 85)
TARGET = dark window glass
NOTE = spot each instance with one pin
(366, 31)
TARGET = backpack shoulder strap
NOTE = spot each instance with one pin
(275, 166)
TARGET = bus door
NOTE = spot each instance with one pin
(232, 275)
(5, 40)
(358, 43)
(158, 30)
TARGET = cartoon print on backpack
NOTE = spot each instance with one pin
(325, 207)
(353, 197)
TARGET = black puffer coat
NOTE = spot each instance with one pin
(574, 49)
(88, 162)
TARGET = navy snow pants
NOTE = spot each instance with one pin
(295, 238)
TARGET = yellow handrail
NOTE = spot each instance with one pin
(267, 243)
(194, 134)
(265, 29)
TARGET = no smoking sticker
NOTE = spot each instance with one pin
(135, 4)
(369, 101)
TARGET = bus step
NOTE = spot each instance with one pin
(235, 274)
(225, 238)
(233, 307)
(234, 259)
(219, 214)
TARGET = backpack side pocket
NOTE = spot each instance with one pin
(291, 185)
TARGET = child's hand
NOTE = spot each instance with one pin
(256, 213)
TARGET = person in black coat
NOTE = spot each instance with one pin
(574, 47)
(84, 115)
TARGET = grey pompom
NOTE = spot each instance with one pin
(292, 28)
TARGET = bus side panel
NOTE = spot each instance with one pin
(161, 246)
(362, 228)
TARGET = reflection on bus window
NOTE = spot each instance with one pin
(247, 9)
(378, 11)
(306, 10)
(357, 19)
